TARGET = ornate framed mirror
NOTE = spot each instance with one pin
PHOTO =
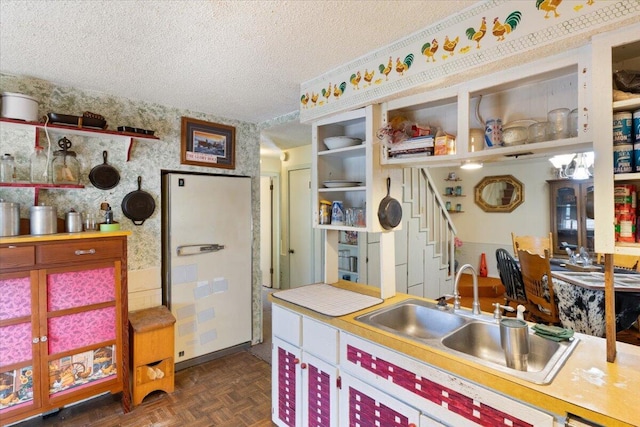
(499, 193)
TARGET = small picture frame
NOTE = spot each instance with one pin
(207, 144)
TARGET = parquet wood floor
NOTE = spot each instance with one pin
(232, 391)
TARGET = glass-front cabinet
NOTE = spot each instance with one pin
(572, 222)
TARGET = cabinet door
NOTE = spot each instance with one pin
(19, 338)
(319, 392)
(362, 406)
(565, 216)
(286, 384)
(80, 310)
(588, 224)
(569, 222)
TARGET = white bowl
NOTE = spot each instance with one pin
(335, 142)
(515, 135)
(19, 106)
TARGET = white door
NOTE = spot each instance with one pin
(300, 228)
(266, 230)
(210, 233)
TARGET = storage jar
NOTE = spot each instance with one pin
(44, 220)
(9, 218)
(65, 166)
(7, 168)
(73, 222)
(39, 166)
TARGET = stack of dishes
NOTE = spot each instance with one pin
(336, 142)
(340, 183)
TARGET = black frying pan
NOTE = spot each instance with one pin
(138, 205)
(390, 210)
(104, 176)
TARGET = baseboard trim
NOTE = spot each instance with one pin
(212, 356)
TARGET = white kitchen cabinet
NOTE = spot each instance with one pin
(359, 164)
(304, 375)
(429, 422)
(286, 384)
(611, 51)
(433, 392)
(525, 92)
(362, 405)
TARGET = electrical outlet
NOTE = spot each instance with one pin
(181, 354)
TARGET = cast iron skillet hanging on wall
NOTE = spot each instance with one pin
(138, 205)
(104, 176)
(390, 210)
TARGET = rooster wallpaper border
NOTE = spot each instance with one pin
(482, 34)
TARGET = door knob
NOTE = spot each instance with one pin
(291, 251)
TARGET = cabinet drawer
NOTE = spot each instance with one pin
(79, 251)
(320, 340)
(286, 325)
(17, 256)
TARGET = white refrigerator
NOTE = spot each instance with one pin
(207, 263)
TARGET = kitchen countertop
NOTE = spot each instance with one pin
(30, 238)
(587, 385)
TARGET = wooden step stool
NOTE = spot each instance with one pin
(152, 346)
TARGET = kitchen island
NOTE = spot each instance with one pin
(586, 386)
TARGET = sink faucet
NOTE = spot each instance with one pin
(475, 307)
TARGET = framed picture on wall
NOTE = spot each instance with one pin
(208, 144)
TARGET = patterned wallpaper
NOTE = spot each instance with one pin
(148, 158)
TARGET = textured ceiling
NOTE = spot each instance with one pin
(241, 60)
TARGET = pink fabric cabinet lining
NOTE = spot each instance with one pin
(81, 329)
(80, 288)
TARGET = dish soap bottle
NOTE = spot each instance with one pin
(39, 166)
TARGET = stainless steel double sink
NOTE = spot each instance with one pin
(470, 337)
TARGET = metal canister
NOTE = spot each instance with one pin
(73, 222)
(623, 158)
(622, 128)
(43, 220)
(9, 219)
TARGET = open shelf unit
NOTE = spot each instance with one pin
(38, 186)
(127, 137)
(527, 92)
(613, 51)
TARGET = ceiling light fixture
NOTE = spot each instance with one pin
(581, 171)
(470, 165)
(574, 166)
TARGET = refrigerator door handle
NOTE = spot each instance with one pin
(186, 250)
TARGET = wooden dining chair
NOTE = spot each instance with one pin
(622, 261)
(533, 244)
(511, 278)
(538, 285)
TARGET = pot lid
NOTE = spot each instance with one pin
(20, 95)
